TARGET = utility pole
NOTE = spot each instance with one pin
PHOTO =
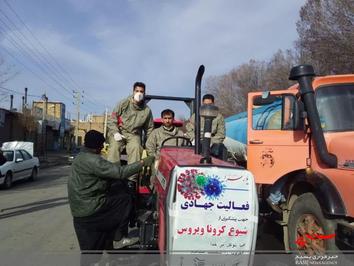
(23, 104)
(11, 102)
(26, 90)
(105, 123)
(90, 120)
(44, 124)
(77, 96)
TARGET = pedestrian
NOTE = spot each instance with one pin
(97, 211)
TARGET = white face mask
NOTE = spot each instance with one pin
(138, 97)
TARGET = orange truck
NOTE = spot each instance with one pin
(307, 158)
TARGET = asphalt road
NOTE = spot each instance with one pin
(35, 216)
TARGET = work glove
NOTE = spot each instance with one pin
(118, 137)
(149, 160)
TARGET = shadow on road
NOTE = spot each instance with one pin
(33, 207)
(51, 177)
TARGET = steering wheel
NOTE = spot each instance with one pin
(185, 142)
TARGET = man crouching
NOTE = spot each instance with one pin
(97, 212)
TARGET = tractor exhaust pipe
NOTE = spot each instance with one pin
(198, 82)
(208, 112)
(303, 74)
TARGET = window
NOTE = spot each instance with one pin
(9, 155)
(268, 115)
(335, 106)
(18, 155)
(26, 155)
(274, 112)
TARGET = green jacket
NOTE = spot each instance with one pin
(130, 119)
(158, 135)
(89, 181)
(217, 129)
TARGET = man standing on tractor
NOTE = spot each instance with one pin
(125, 130)
(129, 118)
(218, 124)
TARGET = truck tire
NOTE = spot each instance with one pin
(8, 180)
(309, 231)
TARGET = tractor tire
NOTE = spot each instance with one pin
(309, 231)
(8, 180)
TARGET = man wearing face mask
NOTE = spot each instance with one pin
(129, 118)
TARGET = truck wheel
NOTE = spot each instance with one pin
(8, 180)
(309, 231)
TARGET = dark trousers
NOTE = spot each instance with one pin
(96, 232)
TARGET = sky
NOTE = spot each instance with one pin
(103, 47)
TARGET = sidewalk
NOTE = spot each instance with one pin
(54, 158)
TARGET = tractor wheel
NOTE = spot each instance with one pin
(309, 231)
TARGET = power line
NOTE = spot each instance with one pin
(39, 42)
(25, 54)
(21, 50)
(34, 73)
(38, 58)
(66, 75)
(18, 92)
(30, 51)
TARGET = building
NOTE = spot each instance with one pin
(96, 122)
(17, 126)
(56, 131)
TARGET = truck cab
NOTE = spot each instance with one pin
(303, 148)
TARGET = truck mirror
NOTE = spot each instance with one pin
(299, 115)
(291, 113)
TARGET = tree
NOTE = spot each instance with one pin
(326, 35)
(29, 123)
(278, 69)
(231, 90)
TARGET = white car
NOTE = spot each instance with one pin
(20, 162)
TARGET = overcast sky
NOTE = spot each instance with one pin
(103, 47)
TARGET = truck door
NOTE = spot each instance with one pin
(275, 147)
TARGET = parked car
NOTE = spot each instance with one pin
(20, 163)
